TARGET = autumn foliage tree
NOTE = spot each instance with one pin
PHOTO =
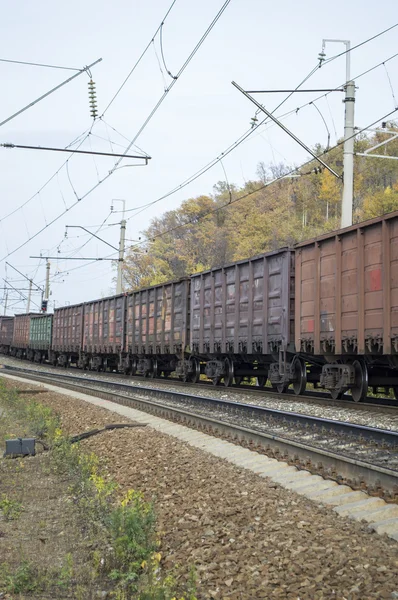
(282, 207)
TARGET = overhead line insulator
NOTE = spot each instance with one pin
(92, 99)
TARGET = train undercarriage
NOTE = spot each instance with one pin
(338, 375)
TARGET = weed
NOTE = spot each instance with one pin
(66, 573)
(132, 527)
(25, 578)
(11, 509)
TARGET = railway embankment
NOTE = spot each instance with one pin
(246, 536)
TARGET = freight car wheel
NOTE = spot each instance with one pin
(229, 372)
(360, 389)
(395, 390)
(216, 380)
(300, 376)
(195, 370)
(154, 371)
(336, 395)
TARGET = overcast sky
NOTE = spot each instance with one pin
(259, 44)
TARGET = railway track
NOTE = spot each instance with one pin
(360, 456)
(383, 403)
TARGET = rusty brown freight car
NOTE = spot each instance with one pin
(157, 329)
(242, 318)
(347, 306)
(6, 334)
(103, 332)
(20, 338)
(67, 334)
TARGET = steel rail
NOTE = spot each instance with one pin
(359, 474)
(374, 434)
(389, 404)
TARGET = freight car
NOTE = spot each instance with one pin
(103, 329)
(20, 339)
(67, 335)
(156, 332)
(40, 338)
(347, 307)
(6, 334)
(325, 312)
(242, 319)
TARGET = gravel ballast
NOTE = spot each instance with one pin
(247, 537)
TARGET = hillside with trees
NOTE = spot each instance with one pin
(283, 206)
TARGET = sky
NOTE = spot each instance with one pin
(259, 44)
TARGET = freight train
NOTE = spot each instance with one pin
(323, 313)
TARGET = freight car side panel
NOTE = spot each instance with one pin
(40, 334)
(347, 289)
(67, 328)
(104, 325)
(157, 319)
(21, 331)
(6, 330)
(247, 307)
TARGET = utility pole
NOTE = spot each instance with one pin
(119, 286)
(5, 300)
(29, 296)
(348, 156)
(44, 303)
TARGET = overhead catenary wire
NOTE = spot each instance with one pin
(196, 219)
(139, 59)
(34, 64)
(132, 142)
(99, 183)
(252, 130)
(54, 89)
(370, 39)
(84, 135)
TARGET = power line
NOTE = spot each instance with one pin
(57, 87)
(32, 64)
(148, 119)
(140, 58)
(360, 44)
(86, 133)
(196, 219)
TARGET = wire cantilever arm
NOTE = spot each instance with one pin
(92, 234)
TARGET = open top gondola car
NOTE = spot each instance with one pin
(6, 334)
(103, 332)
(40, 337)
(242, 320)
(20, 338)
(347, 307)
(67, 335)
(157, 330)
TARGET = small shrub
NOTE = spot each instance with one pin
(11, 509)
(132, 527)
(24, 579)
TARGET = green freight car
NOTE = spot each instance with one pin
(40, 336)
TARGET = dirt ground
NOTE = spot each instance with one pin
(45, 544)
(247, 537)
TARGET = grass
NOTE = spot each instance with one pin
(89, 540)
